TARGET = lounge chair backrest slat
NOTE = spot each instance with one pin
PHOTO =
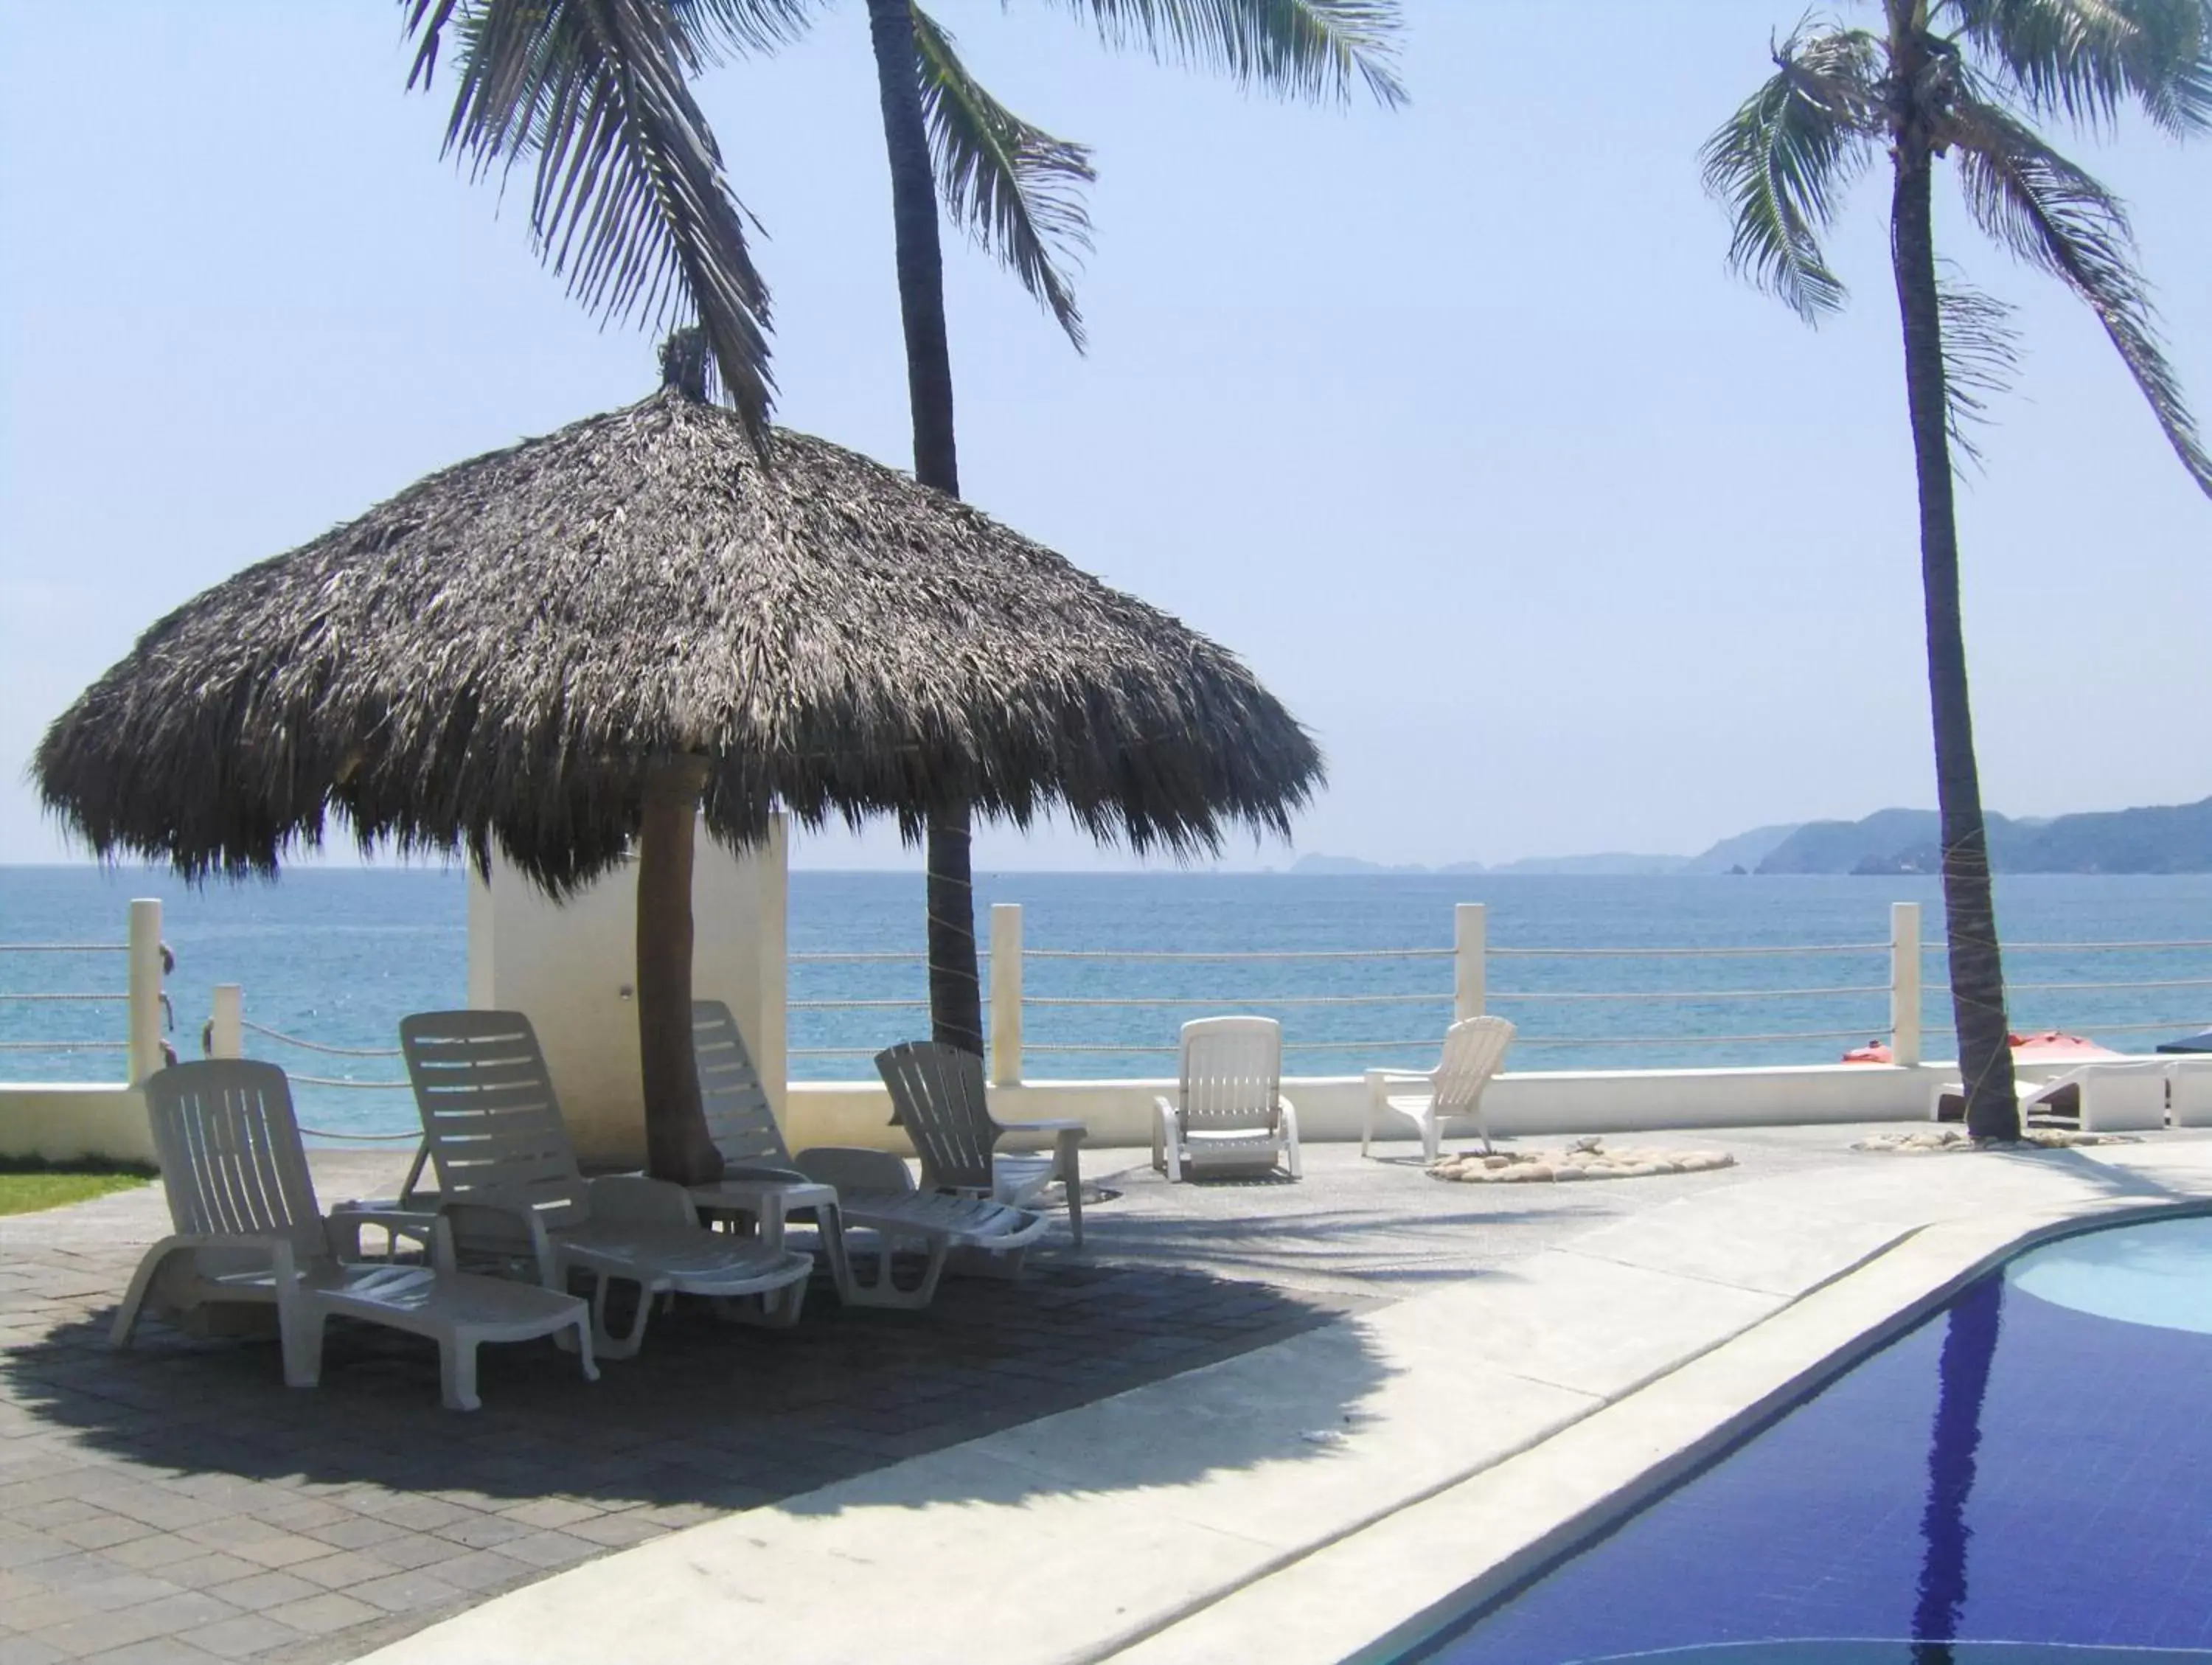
(1474, 1047)
(739, 1119)
(490, 1115)
(938, 1097)
(230, 1152)
(1232, 1073)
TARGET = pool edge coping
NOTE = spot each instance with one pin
(1515, 1518)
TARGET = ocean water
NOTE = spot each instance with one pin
(337, 955)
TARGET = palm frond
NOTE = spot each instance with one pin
(713, 26)
(629, 201)
(1309, 49)
(2051, 214)
(1017, 188)
(1782, 161)
(2085, 59)
(1981, 353)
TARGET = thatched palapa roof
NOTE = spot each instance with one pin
(497, 654)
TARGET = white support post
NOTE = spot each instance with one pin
(1905, 983)
(1005, 993)
(226, 1022)
(772, 921)
(1470, 945)
(145, 989)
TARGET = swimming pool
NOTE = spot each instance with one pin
(2024, 1477)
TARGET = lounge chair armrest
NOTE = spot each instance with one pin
(1289, 1111)
(641, 1200)
(1400, 1077)
(856, 1168)
(433, 1231)
(504, 1223)
(764, 1172)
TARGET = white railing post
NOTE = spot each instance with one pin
(1005, 993)
(227, 1023)
(145, 989)
(1905, 982)
(1470, 947)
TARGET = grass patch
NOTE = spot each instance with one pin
(24, 1192)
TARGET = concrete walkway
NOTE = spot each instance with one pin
(1233, 1512)
(176, 1503)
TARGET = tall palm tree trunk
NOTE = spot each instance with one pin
(677, 1145)
(956, 995)
(1970, 909)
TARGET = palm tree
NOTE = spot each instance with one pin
(630, 203)
(1964, 81)
(1015, 186)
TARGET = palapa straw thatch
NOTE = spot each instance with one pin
(498, 656)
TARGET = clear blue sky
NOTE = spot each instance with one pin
(1451, 421)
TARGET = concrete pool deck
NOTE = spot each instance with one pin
(1335, 1494)
(1183, 1442)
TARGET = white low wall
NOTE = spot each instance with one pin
(1331, 1108)
(69, 1122)
(572, 966)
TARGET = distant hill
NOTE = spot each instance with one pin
(1840, 847)
(2159, 838)
(2155, 839)
(1329, 866)
(1610, 862)
(1743, 853)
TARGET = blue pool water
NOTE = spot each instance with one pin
(2029, 1467)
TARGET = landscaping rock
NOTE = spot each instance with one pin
(1585, 1159)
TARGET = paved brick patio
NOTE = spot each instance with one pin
(177, 1503)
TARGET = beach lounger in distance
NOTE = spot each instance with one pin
(249, 1232)
(508, 1179)
(1229, 1110)
(2127, 1096)
(839, 1188)
(1474, 1051)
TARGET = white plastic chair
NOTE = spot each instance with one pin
(1229, 1110)
(2188, 1092)
(1474, 1051)
(2126, 1097)
(249, 1232)
(838, 1188)
(508, 1179)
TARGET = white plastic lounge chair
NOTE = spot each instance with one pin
(249, 1232)
(939, 1096)
(1230, 1111)
(508, 1179)
(841, 1188)
(1474, 1051)
(2122, 1097)
(2188, 1092)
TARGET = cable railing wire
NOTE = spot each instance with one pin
(318, 1046)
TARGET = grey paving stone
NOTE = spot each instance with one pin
(323, 1614)
(261, 1590)
(484, 1570)
(159, 1650)
(406, 1592)
(102, 1632)
(345, 1569)
(242, 1637)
